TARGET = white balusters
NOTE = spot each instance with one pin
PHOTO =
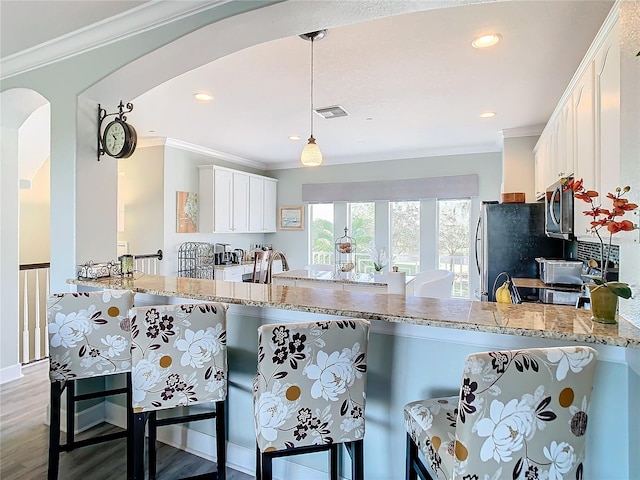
(37, 335)
(46, 335)
(25, 322)
(34, 329)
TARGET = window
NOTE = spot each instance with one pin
(453, 242)
(322, 237)
(405, 236)
(362, 229)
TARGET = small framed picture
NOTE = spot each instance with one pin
(292, 218)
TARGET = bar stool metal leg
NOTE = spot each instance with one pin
(54, 431)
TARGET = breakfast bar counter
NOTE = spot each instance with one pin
(417, 348)
(546, 321)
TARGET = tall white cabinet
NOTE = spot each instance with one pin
(583, 134)
(232, 201)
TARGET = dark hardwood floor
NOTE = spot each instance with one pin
(24, 441)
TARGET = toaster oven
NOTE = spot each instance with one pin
(560, 272)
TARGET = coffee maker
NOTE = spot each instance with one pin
(223, 254)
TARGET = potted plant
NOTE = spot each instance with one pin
(604, 294)
(378, 257)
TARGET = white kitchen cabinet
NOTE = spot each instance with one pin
(232, 201)
(240, 203)
(583, 134)
(365, 288)
(585, 146)
(607, 100)
(269, 211)
(316, 284)
(229, 274)
(564, 156)
(262, 204)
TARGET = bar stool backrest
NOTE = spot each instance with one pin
(522, 413)
(310, 386)
(89, 334)
(179, 355)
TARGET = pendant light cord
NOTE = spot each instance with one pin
(312, 87)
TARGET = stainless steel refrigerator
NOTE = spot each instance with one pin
(509, 237)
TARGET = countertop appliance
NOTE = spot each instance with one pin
(560, 272)
(559, 211)
(509, 237)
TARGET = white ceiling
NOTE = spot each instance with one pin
(412, 83)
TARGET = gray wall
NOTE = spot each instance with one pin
(488, 166)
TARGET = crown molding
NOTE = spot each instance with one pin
(531, 131)
(132, 22)
(145, 142)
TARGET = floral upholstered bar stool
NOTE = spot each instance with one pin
(520, 414)
(309, 393)
(179, 356)
(88, 338)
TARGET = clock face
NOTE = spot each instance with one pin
(119, 139)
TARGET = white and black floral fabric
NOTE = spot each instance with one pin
(89, 334)
(520, 414)
(310, 386)
(179, 355)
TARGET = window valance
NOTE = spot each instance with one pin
(455, 186)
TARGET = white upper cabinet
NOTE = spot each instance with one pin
(232, 201)
(256, 204)
(607, 102)
(269, 213)
(262, 204)
(583, 134)
(240, 205)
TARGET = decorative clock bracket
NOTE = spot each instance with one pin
(102, 114)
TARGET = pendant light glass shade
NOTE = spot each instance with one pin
(311, 154)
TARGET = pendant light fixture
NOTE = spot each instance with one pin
(311, 155)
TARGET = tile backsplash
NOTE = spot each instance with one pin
(587, 250)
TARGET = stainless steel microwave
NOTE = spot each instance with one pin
(558, 212)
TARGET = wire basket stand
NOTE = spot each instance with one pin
(345, 256)
(196, 260)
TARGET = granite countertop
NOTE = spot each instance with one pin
(528, 319)
(325, 276)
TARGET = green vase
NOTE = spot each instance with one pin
(604, 304)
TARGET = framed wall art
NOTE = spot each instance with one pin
(292, 218)
(187, 212)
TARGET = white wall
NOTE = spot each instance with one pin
(9, 265)
(518, 166)
(35, 218)
(143, 199)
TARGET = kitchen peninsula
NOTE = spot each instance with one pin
(362, 282)
(529, 319)
(417, 348)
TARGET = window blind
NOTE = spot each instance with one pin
(455, 186)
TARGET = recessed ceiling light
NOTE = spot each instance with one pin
(487, 114)
(485, 41)
(294, 137)
(203, 96)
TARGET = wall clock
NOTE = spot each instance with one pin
(119, 138)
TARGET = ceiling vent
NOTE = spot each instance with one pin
(331, 112)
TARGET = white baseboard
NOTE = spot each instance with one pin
(10, 373)
(197, 443)
(85, 419)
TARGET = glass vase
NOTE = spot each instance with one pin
(604, 304)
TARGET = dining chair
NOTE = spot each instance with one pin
(179, 359)
(89, 337)
(433, 283)
(520, 414)
(309, 392)
(261, 267)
